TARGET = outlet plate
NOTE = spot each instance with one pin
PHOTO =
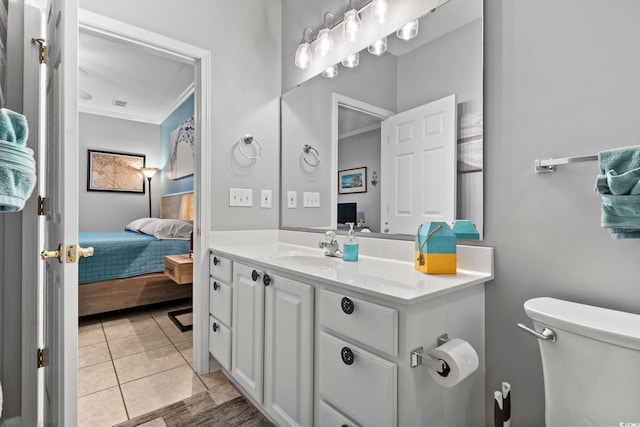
(265, 198)
(240, 197)
(292, 200)
(311, 199)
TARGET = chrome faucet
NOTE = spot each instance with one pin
(330, 244)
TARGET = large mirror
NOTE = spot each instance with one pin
(395, 141)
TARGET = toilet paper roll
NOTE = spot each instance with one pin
(461, 359)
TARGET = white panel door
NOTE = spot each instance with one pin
(419, 167)
(247, 339)
(58, 173)
(288, 387)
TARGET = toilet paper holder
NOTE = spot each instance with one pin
(418, 358)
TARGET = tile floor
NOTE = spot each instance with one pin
(133, 362)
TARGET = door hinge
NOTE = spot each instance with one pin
(42, 205)
(41, 360)
(42, 50)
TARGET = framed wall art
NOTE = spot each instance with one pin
(352, 181)
(110, 171)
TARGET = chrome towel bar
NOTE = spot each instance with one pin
(549, 165)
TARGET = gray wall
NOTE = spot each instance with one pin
(110, 211)
(560, 80)
(355, 152)
(245, 89)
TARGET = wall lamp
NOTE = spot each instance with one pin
(303, 53)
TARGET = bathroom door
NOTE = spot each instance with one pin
(58, 175)
(418, 169)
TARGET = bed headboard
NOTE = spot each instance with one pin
(177, 206)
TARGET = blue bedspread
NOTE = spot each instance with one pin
(121, 254)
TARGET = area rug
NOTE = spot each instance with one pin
(202, 410)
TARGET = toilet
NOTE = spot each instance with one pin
(592, 369)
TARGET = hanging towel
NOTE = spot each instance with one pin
(17, 166)
(619, 186)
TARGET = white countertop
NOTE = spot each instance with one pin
(383, 277)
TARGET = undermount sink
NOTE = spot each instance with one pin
(308, 260)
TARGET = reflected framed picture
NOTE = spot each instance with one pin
(110, 171)
(352, 181)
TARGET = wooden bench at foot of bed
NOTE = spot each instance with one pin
(117, 294)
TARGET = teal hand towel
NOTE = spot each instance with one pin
(619, 186)
(13, 127)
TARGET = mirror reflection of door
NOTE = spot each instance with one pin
(419, 167)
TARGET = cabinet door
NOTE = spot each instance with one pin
(248, 330)
(288, 390)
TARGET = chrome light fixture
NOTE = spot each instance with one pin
(330, 72)
(303, 53)
(351, 61)
(324, 42)
(378, 47)
(381, 10)
(352, 25)
(408, 31)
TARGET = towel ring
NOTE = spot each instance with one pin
(306, 148)
(250, 140)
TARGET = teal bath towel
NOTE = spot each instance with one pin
(17, 166)
(619, 186)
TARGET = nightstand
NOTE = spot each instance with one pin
(179, 268)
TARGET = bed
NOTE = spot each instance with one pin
(127, 268)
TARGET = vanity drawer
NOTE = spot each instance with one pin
(370, 324)
(220, 300)
(220, 342)
(360, 384)
(330, 417)
(221, 268)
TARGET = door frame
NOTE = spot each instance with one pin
(338, 101)
(201, 61)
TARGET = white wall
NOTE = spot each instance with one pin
(358, 151)
(244, 39)
(560, 80)
(111, 211)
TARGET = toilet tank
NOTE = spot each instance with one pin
(592, 370)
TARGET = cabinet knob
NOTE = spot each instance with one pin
(255, 275)
(347, 305)
(266, 279)
(347, 356)
(216, 261)
(215, 327)
(215, 286)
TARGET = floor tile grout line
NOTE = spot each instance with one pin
(113, 365)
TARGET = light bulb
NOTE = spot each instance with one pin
(381, 10)
(324, 42)
(351, 61)
(378, 47)
(331, 72)
(352, 26)
(303, 55)
(408, 31)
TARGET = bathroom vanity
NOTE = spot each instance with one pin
(315, 340)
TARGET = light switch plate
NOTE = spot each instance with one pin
(265, 198)
(240, 197)
(311, 199)
(292, 200)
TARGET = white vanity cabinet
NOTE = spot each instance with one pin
(220, 297)
(272, 355)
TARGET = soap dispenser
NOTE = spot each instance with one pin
(350, 252)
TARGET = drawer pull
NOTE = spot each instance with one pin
(215, 286)
(215, 327)
(347, 305)
(216, 261)
(255, 275)
(266, 279)
(347, 356)
(170, 270)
